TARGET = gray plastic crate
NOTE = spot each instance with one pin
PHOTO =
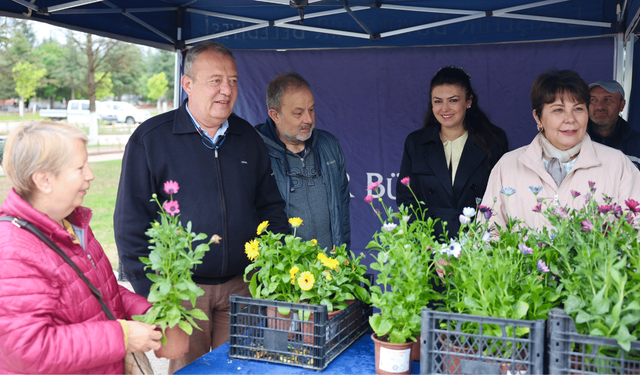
(257, 333)
(446, 349)
(574, 353)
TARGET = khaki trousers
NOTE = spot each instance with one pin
(215, 331)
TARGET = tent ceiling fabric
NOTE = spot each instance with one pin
(274, 24)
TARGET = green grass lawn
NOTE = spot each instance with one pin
(101, 198)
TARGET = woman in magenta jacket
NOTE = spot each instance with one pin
(49, 320)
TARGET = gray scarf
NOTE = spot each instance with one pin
(555, 166)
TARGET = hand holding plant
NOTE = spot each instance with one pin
(172, 258)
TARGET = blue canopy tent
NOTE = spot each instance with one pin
(369, 63)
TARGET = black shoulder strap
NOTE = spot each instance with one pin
(21, 223)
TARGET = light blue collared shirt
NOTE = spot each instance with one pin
(223, 128)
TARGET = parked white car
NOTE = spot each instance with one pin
(77, 112)
(122, 112)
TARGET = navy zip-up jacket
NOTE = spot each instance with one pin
(227, 194)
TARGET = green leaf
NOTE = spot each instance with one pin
(624, 338)
(186, 327)
(521, 309)
(198, 314)
(584, 317)
(397, 337)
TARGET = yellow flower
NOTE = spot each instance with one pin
(293, 271)
(330, 262)
(315, 242)
(306, 280)
(262, 227)
(322, 256)
(295, 222)
(328, 275)
(251, 249)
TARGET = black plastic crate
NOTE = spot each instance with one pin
(257, 333)
(574, 353)
(461, 344)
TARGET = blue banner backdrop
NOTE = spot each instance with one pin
(371, 99)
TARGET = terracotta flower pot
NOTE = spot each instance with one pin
(415, 349)
(452, 362)
(177, 343)
(392, 359)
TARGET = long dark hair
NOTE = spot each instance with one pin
(475, 121)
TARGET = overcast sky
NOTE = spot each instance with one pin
(44, 30)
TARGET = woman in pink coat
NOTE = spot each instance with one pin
(560, 159)
(49, 320)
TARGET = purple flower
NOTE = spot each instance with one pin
(537, 208)
(586, 225)
(368, 198)
(542, 267)
(542, 244)
(607, 199)
(575, 194)
(604, 208)
(617, 209)
(486, 211)
(559, 211)
(464, 220)
(478, 200)
(535, 189)
(508, 191)
(524, 249)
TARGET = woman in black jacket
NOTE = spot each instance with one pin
(449, 160)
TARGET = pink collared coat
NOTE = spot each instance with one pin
(49, 320)
(612, 172)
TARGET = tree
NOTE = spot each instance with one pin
(127, 77)
(50, 54)
(104, 88)
(15, 45)
(158, 61)
(27, 78)
(158, 86)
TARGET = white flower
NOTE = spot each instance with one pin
(453, 248)
(486, 236)
(464, 219)
(400, 231)
(406, 217)
(389, 227)
(469, 211)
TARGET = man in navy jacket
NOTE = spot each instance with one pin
(605, 124)
(226, 188)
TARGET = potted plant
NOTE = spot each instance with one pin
(285, 268)
(594, 252)
(406, 266)
(172, 258)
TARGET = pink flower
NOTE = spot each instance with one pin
(559, 211)
(586, 225)
(524, 249)
(542, 267)
(537, 208)
(604, 208)
(171, 207)
(575, 194)
(374, 185)
(405, 181)
(171, 187)
(633, 205)
(368, 198)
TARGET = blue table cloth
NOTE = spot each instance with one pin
(359, 358)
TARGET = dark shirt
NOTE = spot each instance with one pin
(623, 138)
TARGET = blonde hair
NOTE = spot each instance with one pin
(37, 146)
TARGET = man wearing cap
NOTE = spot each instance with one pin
(605, 124)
